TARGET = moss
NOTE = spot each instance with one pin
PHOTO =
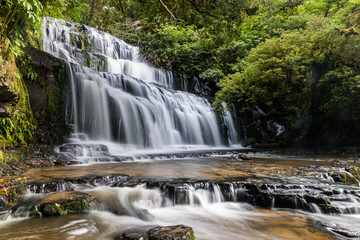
(87, 59)
(79, 40)
(17, 127)
(355, 171)
(53, 106)
(348, 178)
(66, 206)
(13, 192)
(171, 232)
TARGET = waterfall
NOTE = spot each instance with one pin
(229, 123)
(116, 97)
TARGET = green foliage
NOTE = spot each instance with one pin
(16, 130)
(73, 10)
(17, 18)
(296, 60)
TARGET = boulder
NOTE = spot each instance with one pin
(54, 204)
(345, 177)
(65, 203)
(177, 232)
(133, 234)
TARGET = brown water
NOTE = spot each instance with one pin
(198, 168)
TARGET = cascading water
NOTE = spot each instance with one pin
(116, 97)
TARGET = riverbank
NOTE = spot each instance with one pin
(14, 163)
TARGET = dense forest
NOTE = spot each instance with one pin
(290, 62)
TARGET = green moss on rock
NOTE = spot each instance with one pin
(177, 232)
(345, 177)
(64, 203)
(79, 40)
(355, 171)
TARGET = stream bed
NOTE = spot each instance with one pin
(219, 196)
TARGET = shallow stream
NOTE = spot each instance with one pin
(208, 195)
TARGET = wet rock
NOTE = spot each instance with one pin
(132, 234)
(177, 232)
(345, 177)
(289, 201)
(243, 157)
(329, 209)
(243, 196)
(4, 215)
(89, 150)
(346, 233)
(227, 191)
(317, 199)
(65, 203)
(3, 203)
(263, 199)
(54, 204)
(181, 194)
(252, 188)
(328, 192)
(355, 171)
(238, 157)
(49, 187)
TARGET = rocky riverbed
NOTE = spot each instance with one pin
(273, 196)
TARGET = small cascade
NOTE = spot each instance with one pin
(115, 97)
(128, 201)
(228, 119)
(124, 196)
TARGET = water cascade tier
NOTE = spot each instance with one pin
(114, 96)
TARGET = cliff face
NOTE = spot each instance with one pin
(31, 102)
(45, 85)
(10, 86)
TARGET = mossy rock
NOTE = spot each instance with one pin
(329, 209)
(345, 177)
(133, 234)
(355, 171)
(177, 232)
(11, 192)
(63, 203)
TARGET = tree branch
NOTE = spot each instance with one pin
(166, 8)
